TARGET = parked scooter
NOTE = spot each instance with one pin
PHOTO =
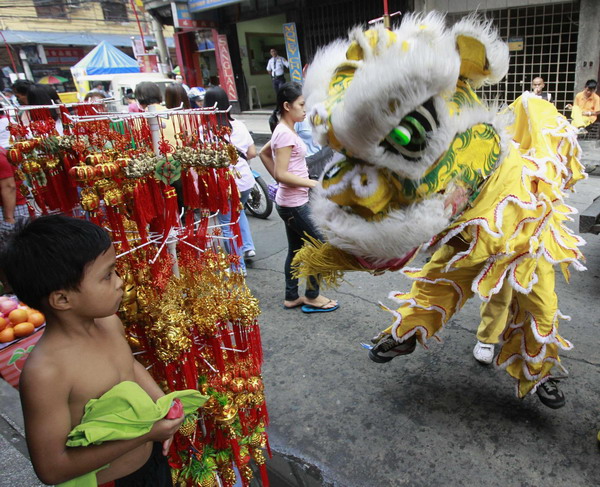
(259, 204)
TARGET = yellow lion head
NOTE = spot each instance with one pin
(417, 142)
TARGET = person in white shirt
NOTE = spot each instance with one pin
(241, 139)
(275, 68)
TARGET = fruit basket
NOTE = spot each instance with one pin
(20, 329)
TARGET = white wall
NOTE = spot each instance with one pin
(471, 5)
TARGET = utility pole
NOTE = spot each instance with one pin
(163, 53)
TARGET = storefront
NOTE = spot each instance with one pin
(250, 30)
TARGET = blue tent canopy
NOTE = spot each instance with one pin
(107, 59)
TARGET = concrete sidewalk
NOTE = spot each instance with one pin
(347, 401)
(14, 460)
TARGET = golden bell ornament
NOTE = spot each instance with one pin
(94, 159)
(208, 480)
(188, 427)
(14, 155)
(31, 167)
(227, 415)
(256, 440)
(246, 473)
(90, 201)
(237, 384)
(258, 456)
(113, 197)
(228, 475)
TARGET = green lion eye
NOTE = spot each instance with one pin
(409, 130)
(400, 135)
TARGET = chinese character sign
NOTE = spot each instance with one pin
(293, 51)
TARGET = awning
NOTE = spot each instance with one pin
(107, 59)
(72, 38)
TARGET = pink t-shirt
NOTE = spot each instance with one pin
(291, 196)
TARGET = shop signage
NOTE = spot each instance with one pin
(293, 51)
(148, 63)
(182, 18)
(226, 77)
(63, 55)
(201, 5)
(515, 43)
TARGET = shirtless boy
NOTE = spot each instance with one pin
(65, 267)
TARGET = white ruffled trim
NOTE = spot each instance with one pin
(398, 321)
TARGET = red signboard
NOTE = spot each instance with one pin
(148, 63)
(226, 77)
(64, 55)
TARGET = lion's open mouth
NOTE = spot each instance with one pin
(409, 137)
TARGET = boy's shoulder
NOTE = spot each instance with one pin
(53, 355)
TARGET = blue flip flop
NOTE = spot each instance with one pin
(309, 308)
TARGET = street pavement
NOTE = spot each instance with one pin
(433, 418)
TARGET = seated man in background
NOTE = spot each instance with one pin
(586, 108)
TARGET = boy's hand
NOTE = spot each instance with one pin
(164, 429)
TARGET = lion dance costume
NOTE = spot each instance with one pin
(427, 164)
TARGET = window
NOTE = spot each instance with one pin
(115, 11)
(54, 9)
(548, 34)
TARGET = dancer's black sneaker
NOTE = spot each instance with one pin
(387, 348)
(550, 395)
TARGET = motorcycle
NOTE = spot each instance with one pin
(259, 204)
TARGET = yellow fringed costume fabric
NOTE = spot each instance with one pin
(428, 165)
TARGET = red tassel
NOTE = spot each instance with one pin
(235, 447)
(269, 448)
(191, 198)
(171, 209)
(264, 476)
(143, 201)
(217, 353)
(190, 372)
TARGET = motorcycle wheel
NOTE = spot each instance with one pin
(259, 204)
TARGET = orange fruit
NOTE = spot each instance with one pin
(17, 316)
(3, 323)
(23, 329)
(36, 318)
(7, 335)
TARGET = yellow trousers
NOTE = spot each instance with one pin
(495, 315)
(529, 344)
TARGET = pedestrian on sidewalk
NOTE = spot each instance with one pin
(241, 139)
(284, 157)
(275, 67)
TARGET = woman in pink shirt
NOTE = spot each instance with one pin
(284, 157)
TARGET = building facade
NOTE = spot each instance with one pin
(555, 39)
(46, 37)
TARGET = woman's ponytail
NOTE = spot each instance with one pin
(274, 119)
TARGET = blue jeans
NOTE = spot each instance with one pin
(247, 243)
(297, 223)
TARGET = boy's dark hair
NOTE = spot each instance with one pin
(148, 93)
(592, 84)
(51, 253)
